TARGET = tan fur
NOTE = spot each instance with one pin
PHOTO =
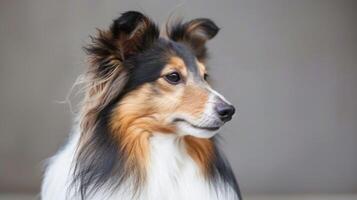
(201, 151)
(201, 68)
(99, 93)
(193, 101)
(132, 123)
(176, 63)
(192, 97)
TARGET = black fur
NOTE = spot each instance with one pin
(223, 171)
(147, 66)
(109, 49)
(126, 23)
(99, 161)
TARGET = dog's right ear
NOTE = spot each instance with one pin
(130, 34)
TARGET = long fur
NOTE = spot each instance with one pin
(112, 152)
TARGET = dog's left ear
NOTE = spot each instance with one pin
(195, 34)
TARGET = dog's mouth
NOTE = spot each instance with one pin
(208, 128)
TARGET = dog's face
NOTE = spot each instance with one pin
(166, 88)
(179, 95)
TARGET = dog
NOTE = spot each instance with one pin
(148, 122)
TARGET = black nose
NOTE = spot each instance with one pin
(225, 111)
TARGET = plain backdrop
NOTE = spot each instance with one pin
(289, 66)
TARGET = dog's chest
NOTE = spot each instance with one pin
(172, 174)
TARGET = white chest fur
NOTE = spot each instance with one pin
(172, 175)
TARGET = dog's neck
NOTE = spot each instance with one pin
(176, 149)
(168, 155)
(171, 167)
(169, 151)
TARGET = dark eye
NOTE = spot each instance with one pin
(205, 76)
(173, 78)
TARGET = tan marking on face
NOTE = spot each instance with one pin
(187, 97)
(201, 151)
(193, 100)
(132, 123)
(201, 68)
(175, 64)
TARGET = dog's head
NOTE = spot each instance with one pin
(140, 84)
(156, 84)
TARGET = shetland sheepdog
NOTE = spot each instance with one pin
(148, 122)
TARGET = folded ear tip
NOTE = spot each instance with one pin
(126, 22)
(132, 12)
(210, 27)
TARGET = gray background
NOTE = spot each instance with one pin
(290, 67)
